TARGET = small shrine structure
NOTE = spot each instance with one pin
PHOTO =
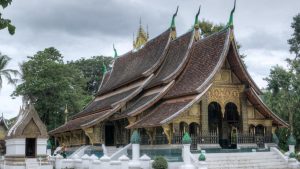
(26, 141)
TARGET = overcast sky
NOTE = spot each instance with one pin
(86, 28)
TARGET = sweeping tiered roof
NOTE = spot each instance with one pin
(28, 123)
(165, 78)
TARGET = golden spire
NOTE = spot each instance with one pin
(142, 37)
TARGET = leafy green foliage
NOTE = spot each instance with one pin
(51, 84)
(7, 73)
(207, 28)
(92, 71)
(6, 23)
(135, 137)
(294, 42)
(160, 163)
(283, 90)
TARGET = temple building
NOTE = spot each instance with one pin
(170, 85)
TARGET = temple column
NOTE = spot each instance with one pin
(204, 114)
(150, 133)
(244, 114)
(95, 134)
(167, 131)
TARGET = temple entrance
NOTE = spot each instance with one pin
(215, 119)
(109, 134)
(230, 126)
(30, 149)
(227, 127)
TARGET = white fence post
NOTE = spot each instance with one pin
(124, 161)
(105, 162)
(58, 159)
(145, 162)
(85, 161)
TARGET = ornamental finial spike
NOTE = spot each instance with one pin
(196, 23)
(173, 18)
(115, 51)
(230, 21)
(103, 68)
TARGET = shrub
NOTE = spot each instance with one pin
(160, 163)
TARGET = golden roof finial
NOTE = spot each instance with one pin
(142, 37)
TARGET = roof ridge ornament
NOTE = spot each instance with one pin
(142, 37)
(230, 21)
(103, 67)
(173, 25)
(197, 25)
(115, 51)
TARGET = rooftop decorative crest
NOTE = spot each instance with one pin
(103, 68)
(230, 21)
(173, 18)
(115, 51)
(173, 26)
(196, 23)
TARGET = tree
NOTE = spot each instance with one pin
(294, 42)
(7, 73)
(207, 28)
(91, 69)
(283, 90)
(6, 23)
(51, 85)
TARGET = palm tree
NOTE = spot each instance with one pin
(7, 73)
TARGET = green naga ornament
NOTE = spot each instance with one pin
(135, 138)
(196, 23)
(291, 140)
(103, 68)
(202, 157)
(275, 139)
(115, 51)
(173, 18)
(230, 22)
(186, 139)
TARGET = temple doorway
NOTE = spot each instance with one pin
(215, 119)
(109, 134)
(30, 149)
(230, 126)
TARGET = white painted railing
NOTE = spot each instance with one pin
(104, 149)
(120, 152)
(79, 152)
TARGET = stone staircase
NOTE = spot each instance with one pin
(32, 163)
(111, 150)
(246, 160)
